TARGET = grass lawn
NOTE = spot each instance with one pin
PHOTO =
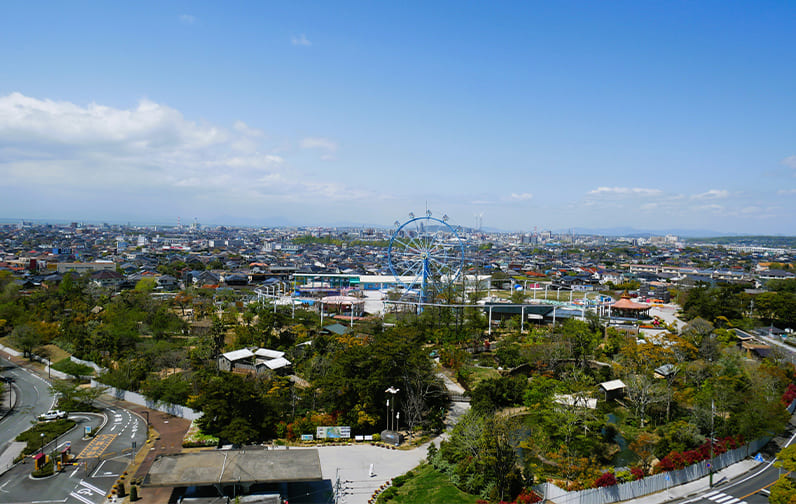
(72, 368)
(428, 486)
(481, 373)
(57, 354)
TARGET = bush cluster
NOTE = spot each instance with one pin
(679, 460)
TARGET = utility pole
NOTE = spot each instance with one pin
(710, 468)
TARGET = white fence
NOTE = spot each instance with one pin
(650, 484)
(124, 395)
(10, 351)
(136, 398)
(97, 368)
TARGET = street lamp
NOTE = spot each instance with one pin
(393, 391)
(42, 442)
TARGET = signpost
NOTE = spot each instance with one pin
(333, 432)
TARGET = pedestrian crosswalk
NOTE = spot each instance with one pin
(722, 498)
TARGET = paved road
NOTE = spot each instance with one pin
(103, 459)
(33, 398)
(117, 432)
(746, 482)
(751, 488)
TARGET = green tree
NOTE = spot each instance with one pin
(26, 337)
(234, 408)
(783, 491)
(580, 339)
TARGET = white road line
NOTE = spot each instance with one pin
(80, 498)
(733, 501)
(718, 496)
(725, 499)
(714, 492)
(96, 471)
(74, 472)
(91, 487)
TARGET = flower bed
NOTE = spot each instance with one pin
(194, 438)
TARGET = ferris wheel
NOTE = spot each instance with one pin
(425, 255)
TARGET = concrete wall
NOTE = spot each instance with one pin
(136, 398)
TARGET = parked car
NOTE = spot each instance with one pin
(53, 415)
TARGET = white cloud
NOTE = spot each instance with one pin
(245, 129)
(790, 162)
(187, 19)
(144, 150)
(710, 208)
(632, 191)
(786, 191)
(300, 40)
(711, 194)
(521, 197)
(329, 147)
(319, 143)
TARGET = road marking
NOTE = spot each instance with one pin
(81, 498)
(714, 492)
(716, 497)
(74, 472)
(92, 487)
(97, 446)
(764, 489)
(732, 501)
(725, 499)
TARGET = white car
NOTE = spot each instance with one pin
(53, 415)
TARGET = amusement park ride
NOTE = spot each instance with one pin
(425, 256)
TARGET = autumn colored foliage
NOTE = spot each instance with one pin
(789, 395)
(679, 460)
(607, 479)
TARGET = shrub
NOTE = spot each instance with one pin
(637, 473)
(789, 395)
(606, 480)
(46, 470)
(527, 496)
(388, 494)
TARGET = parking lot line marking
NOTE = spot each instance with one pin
(91, 487)
(80, 498)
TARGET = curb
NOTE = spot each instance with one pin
(12, 392)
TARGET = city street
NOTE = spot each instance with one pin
(99, 460)
(33, 397)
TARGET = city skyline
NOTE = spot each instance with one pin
(577, 115)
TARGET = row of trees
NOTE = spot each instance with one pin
(730, 303)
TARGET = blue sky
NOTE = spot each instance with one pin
(654, 115)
